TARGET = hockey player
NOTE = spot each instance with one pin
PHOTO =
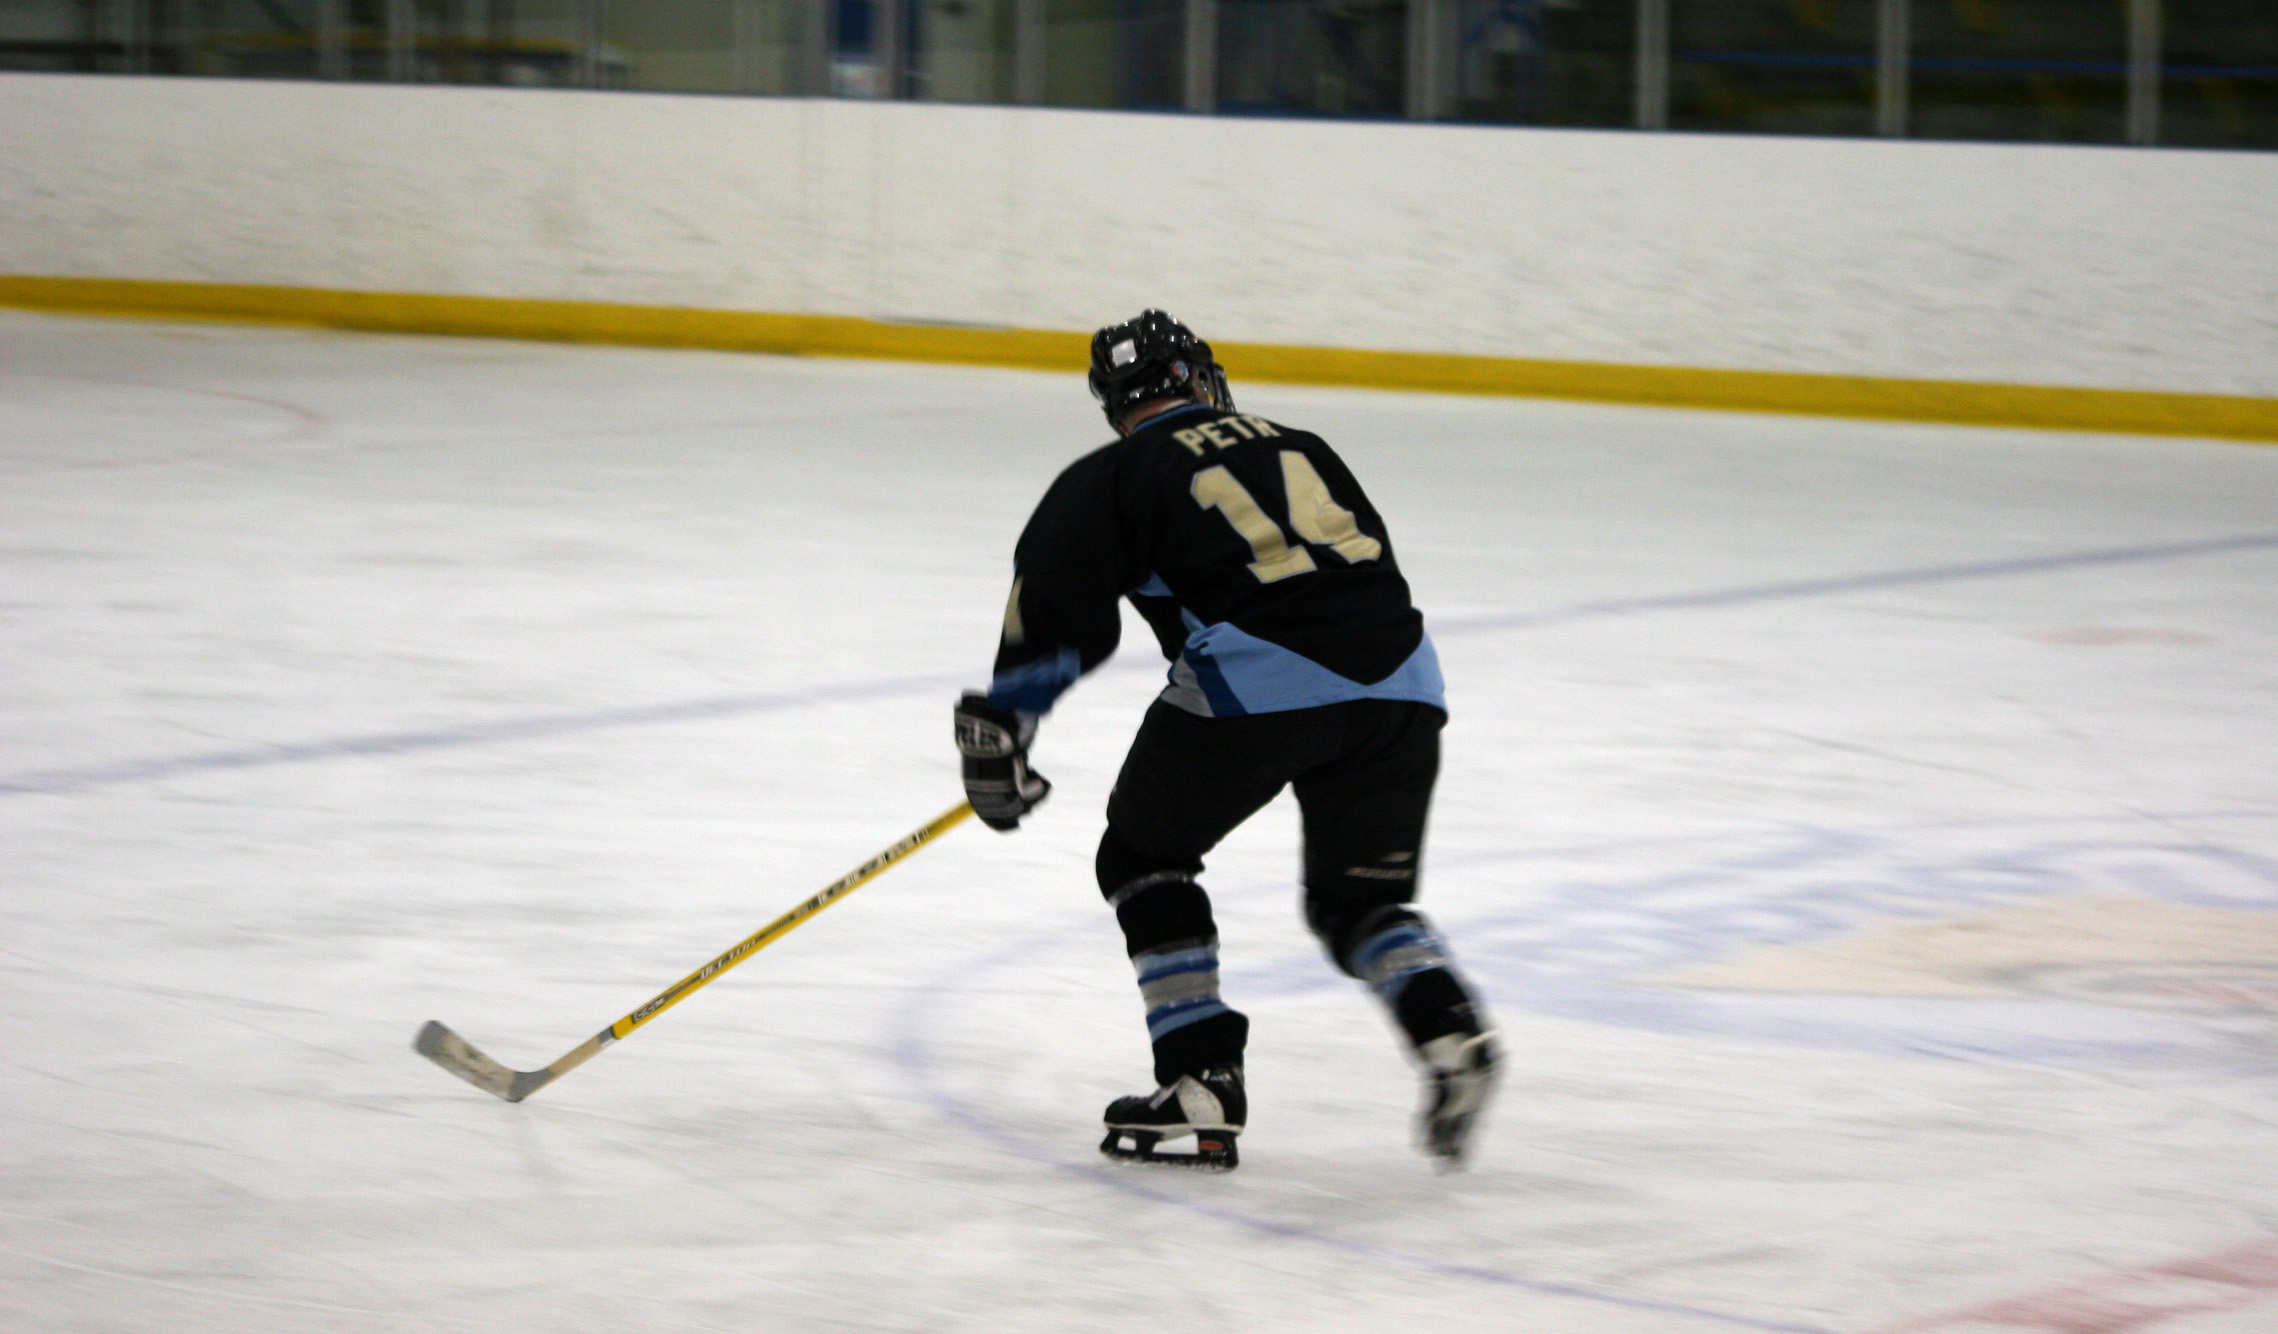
(1296, 660)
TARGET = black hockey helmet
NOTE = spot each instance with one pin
(1153, 356)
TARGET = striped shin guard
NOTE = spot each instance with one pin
(1388, 959)
(1179, 984)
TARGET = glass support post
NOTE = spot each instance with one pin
(891, 33)
(2143, 71)
(1201, 63)
(813, 76)
(589, 43)
(743, 45)
(100, 20)
(1028, 52)
(1894, 38)
(173, 39)
(399, 36)
(1652, 64)
(332, 39)
(136, 17)
(1427, 36)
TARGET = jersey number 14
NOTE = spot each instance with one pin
(1313, 512)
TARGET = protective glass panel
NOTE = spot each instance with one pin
(1589, 63)
(1320, 57)
(1115, 53)
(1535, 62)
(1978, 69)
(2219, 81)
(244, 39)
(673, 45)
(526, 43)
(252, 39)
(65, 36)
(2020, 69)
(863, 59)
(961, 50)
(1780, 66)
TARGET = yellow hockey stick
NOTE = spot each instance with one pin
(447, 1049)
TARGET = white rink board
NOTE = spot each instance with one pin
(2033, 264)
(1859, 830)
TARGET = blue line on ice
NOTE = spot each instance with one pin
(1791, 590)
(721, 706)
(469, 734)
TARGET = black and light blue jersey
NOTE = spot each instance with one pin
(1250, 549)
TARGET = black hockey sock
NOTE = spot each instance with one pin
(1202, 1045)
(1434, 1004)
(1173, 943)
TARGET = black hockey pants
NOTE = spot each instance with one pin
(1363, 772)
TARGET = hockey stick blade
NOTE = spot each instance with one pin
(459, 1056)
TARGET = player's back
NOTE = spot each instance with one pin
(1248, 522)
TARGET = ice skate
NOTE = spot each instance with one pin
(1459, 1071)
(1209, 1106)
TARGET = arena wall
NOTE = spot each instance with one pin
(2113, 269)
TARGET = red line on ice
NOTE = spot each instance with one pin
(2126, 1300)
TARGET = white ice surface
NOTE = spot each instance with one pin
(471, 581)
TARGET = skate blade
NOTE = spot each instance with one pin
(1214, 1151)
(1450, 1147)
(1449, 1130)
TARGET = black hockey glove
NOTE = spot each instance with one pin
(998, 780)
